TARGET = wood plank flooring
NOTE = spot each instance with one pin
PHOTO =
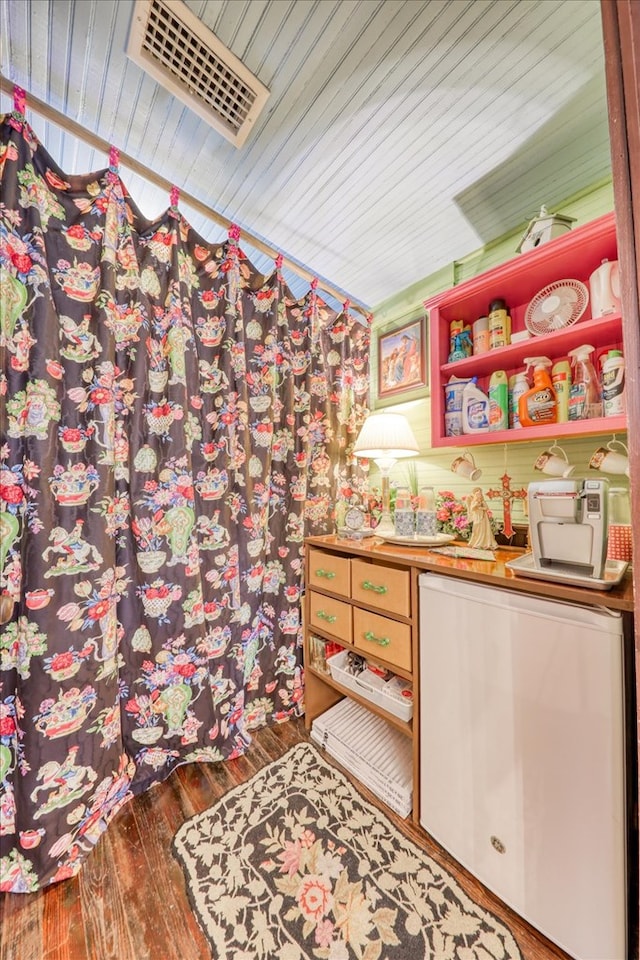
(129, 900)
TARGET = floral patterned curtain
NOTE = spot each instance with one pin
(173, 423)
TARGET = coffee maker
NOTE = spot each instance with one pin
(568, 520)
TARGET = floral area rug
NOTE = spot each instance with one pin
(296, 864)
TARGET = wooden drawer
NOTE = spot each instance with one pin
(330, 572)
(332, 616)
(383, 587)
(381, 637)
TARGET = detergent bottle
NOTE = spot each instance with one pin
(475, 408)
(538, 405)
(561, 379)
(585, 399)
(613, 397)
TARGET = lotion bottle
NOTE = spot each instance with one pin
(538, 406)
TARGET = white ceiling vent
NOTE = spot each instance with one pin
(183, 55)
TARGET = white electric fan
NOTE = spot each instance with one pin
(556, 306)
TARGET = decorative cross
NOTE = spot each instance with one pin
(506, 494)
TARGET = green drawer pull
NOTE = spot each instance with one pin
(367, 585)
(329, 617)
(383, 641)
(329, 574)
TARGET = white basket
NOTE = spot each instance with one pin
(392, 695)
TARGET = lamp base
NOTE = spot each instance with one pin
(385, 528)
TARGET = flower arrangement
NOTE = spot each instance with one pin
(452, 516)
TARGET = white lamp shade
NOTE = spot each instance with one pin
(386, 436)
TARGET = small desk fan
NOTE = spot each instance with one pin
(556, 306)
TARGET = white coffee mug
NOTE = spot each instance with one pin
(465, 466)
(554, 462)
(609, 460)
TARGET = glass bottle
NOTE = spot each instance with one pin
(426, 524)
(404, 519)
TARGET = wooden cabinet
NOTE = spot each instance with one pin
(370, 606)
(375, 594)
(574, 255)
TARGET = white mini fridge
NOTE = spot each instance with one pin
(522, 755)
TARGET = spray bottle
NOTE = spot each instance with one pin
(518, 385)
(498, 401)
(538, 406)
(585, 400)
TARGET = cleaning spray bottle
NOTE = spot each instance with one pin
(561, 379)
(585, 400)
(518, 385)
(498, 401)
(539, 405)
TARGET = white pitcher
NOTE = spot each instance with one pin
(604, 285)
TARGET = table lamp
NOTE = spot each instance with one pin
(385, 438)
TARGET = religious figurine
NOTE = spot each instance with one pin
(478, 513)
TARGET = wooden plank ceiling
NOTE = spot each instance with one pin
(399, 135)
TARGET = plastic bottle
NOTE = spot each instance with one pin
(455, 328)
(613, 392)
(499, 324)
(585, 401)
(561, 379)
(518, 385)
(475, 408)
(498, 401)
(404, 518)
(481, 335)
(462, 346)
(538, 405)
(426, 522)
(460, 343)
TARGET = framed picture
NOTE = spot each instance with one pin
(402, 359)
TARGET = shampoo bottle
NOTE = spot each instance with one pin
(498, 401)
(561, 379)
(585, 401)
(538, 405)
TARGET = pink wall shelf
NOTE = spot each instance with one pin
(573, 256)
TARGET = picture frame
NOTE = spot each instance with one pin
(402, 359)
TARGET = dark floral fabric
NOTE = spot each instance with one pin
(173, 424)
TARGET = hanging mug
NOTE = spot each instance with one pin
(465, 466)
(554, 462)
(609, 459)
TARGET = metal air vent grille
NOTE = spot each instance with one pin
(171, 44)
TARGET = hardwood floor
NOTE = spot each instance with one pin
(129, 900)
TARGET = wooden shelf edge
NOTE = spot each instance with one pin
(404, 726)
(554, 431)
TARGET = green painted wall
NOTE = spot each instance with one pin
(432, 466)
